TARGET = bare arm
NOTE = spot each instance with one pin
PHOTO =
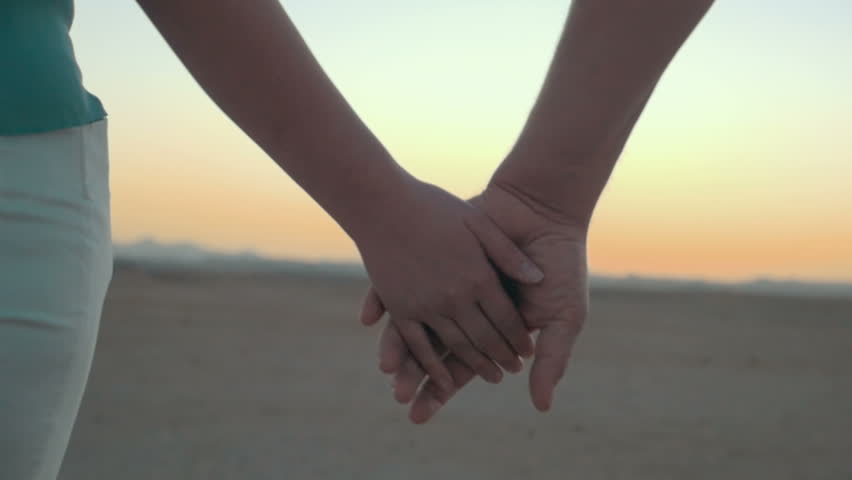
(607, 63)
(251, 60)
(415, 239)
(611, 55)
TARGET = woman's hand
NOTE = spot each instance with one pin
(427, 254)
(557, 307)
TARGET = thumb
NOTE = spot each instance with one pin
(372, 309)
(505, 255)
(552, 351)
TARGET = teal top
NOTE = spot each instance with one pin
(41, 88)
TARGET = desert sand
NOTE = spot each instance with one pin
(236, 376)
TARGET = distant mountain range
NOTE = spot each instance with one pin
(150, 254)
(759, 286)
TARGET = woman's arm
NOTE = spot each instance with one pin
(251, 60)
(426, 251)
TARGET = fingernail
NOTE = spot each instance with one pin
(531, 272)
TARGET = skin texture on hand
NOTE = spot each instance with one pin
(557, 308)
(428, 256)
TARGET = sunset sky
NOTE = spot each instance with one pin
(740, 167)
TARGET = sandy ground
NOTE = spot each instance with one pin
(271, 377)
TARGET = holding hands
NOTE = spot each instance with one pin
(556, 308)
(428, 256)
(543, 195)
(465, 283)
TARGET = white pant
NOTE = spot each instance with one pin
(55, 266)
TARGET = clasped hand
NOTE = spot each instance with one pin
(465, 285)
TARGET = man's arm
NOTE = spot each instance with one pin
(607, 63)
(610, 57)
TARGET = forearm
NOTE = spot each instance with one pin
(251, 60)
(611, 55)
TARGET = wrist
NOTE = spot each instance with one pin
(374, 204)
(525, 219)
(351, 176)
(552, 198)
(563, 180)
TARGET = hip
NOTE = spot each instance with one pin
(55, 228)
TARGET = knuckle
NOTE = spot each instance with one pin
(450, 298)
(519, 335)
(509, 323)
(506, 251)
(411, 313)
(459, 345)
(474, 220)
(492, 345)
(481, 366)
(480, 285)
(572, 327)
(431, 364)
(479, 363)
(479, 345)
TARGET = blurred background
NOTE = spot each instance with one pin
(739, 167)
(720, 343)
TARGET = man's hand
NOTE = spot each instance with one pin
(428, 258)
(557, 307)
(608, 61)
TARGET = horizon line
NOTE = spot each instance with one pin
(261, 257)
